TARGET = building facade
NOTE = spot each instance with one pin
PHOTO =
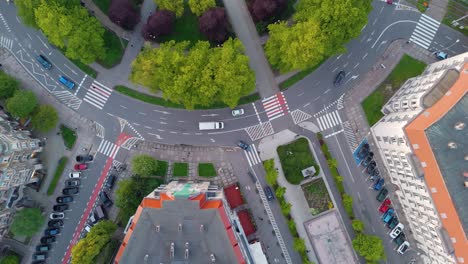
(411, 117)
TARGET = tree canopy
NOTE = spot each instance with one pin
(45, 118)
(124, 14)
(26, 11)
(160, 23)
(88, 248)
(8, 85)
(176, 6)
(27, 222)
(144, 165)
(271, 173)
(22, 104)
(214, 25)
(198, 7)
(10, 259)
(199, 76)
(369, 247)
(358, 225)
(263, 10)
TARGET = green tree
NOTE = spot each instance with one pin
(22, 103)
(26, 11)
(280, 191)
(358, 225)
(176, 6)
(348, 204)
(53, 19)
(199, 7)
(292, 226)
(369, 247)
(8, 85)
(45, 118)
(144, 165)
(10, 259)
(332, 163)
(88, 248)
(27, 222)
(285, 207)
(271, 173)
(299, 245)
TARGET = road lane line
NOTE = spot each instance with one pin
(68, 67)
(394, 23)
(81, 83)
(346, 162)
(365, 55)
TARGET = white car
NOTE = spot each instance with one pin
(55, 216)
(403, 247)
(74, 175)
(237, 112)
(397, 230)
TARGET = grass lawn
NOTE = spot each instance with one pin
(162, 168)
(206, 170)
(295, 157)
(103, 5)
(58, 172)
(115, 48)
(69, 136)
(180, 170)
(317, 196)
(185, 28)
(160, 101)
(408, 67)
(299, 76)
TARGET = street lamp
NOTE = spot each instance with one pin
(452, 44)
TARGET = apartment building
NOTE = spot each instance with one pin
(423, 140)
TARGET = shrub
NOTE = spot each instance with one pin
(160, 23)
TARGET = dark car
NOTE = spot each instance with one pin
(339, 78)
(47, 239)
(375, 173)
(400, 239)
(382, 194)
(64, 199)
(363, 153)
(60, 207)
(43, 248)
(84, 158)
(70, 190)
(394, 222)
(379, 184)
(44, 62)
(39, 256)
(72, 183)
(52, 231)
(367, 161)
(243, 145)
(55, 223)
(269, 193)
(110, 181)
(371, 168)
(106, 201)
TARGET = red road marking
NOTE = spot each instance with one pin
(283, 103)
(101, 90)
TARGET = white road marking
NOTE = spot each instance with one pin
(163, 118)
(256, 113)
(163, 123)
(306, 104)
(357, 64)
(68, 67)
(156, 135)
(141, 113)
(163, 112)
(124, 107)
(29, 36)
(394, 23)
(301, 94)
(81, 83)
(326, 91)
(136, 124)
(43, 43)
(365, 55)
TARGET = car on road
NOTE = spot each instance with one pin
(441, 55)
(385, 205)
(60, 207)
(339, 78)
(379, 184)
(52, 231)
(403, 247)
(44, 62)
(241, 144)
(84, 158)
(397, 230)
(39, 256)
(382, 194)
(64, 199)
(67, 82)
(106, 201)
(43, 248)
(80, 166)
(55, 223)
(110, 182)
(269, 193)
(388, 215)
(237, 112)
(55, 216)
(74, 175)
(394, 222)
(72, 183)
(70, 190)
(47, 239)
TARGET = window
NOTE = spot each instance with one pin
(385, 139)
(378, 138)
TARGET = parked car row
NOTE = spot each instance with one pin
(388, 213)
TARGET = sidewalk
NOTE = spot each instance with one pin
(104, 19)
(437, 9)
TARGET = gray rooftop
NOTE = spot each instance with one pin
(451, 161)
(146, 245)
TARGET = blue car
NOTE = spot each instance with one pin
(378, 185)
(67, 82)
(44, 62)
(388, 215)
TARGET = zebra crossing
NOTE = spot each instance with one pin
(128, 144)
(329, 120)
(68, 99)
(108, 148)
(299, 116)
(6, 43)
(425, 31)
(97, 94)
(259, 131)
(252, 156)
(5, 23)
(99, 129)
(350, 136)
(275, 106)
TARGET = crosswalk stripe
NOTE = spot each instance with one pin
(428, 28)
(255, 154)
(338, 116)
(424, 45)
(320, 124)
(430, 19)
(327, 116)
(422, 38)
(97, 94)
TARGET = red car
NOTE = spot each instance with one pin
(385, 205)
(80, 166)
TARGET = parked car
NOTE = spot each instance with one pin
(87, 228)
(55, 216)
(80, 166)
(84, 158)
(371, 167)
(64, 199)
(47, 239)
(237, 112)
(73, 182)
(269, 193)
(363, 152)
(110, 181)
(52, 231)
(74, 175)
(70, 190)
(43, 248)
(385, 205)
(397, 230)
(67, 82)
(379, 184)
(243, 145)
(106, 201)
(367, 161)
(55, 223)
(96, 215)
(388, 215)
(403, 247)
(60, 207)
(399, 240)
(39, 256)
(339, 78)
(441, 55)
(382, 194)
(375, 172)
(394, 222)
(44, 62)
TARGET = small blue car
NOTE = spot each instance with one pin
(388, 215)
(378, 185)
(67, 82)
(44, 62)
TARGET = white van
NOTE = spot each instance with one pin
(210, 125)
(75, 174)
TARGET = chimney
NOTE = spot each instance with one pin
(172, 250)
(180, 227)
